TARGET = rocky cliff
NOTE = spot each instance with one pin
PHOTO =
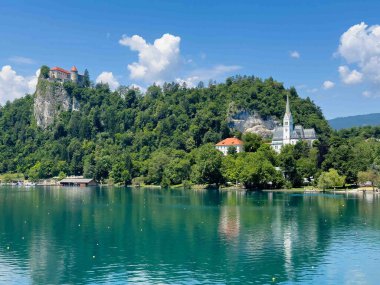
(246, 122)
(50, 99)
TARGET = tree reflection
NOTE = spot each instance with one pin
(76, 235)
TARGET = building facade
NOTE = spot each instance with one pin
(290, 134)
(225, 144)
(60, 74)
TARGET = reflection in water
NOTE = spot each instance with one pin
(150, 236)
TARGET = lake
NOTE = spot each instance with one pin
(153, 236)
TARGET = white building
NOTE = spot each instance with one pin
(60, 74)
(229, 142)
(290, 134)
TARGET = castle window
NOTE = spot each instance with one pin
(286, 123)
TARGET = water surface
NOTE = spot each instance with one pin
(153, 236)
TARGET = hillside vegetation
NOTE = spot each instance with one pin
(165, 136)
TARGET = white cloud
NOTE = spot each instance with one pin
(14, 86)
(360, 47)
(328, 84)
(295, 54)
(136, 86)
(208, 74)
(348, 76)
(21, 60)
(107, 78)
(371, 94)
(157, 62)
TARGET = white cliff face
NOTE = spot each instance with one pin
(244, 122)
(51, 98)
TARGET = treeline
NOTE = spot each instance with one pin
(164, 136)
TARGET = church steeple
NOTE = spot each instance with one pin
(287, 111)
(287, 123)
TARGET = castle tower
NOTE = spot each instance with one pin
(74, 74)
(287, 123)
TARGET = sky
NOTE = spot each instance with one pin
(328, 50)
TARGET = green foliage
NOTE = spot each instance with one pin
(9, 177)
(165, 137)
(258, 172)
(61, 175)
(35, 172)
(207, 169)
(86, 78)
(371, 175)
(231, 150)
(252, 142)
(330, 179)
(44, 71)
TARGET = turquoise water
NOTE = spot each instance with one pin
(150, 236)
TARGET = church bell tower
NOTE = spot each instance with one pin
(287, 123)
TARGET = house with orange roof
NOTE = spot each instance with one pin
(225, 144)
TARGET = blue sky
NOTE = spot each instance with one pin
(296, 42)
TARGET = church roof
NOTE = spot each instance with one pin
(310, 134)
(295, 135)
(278, 134)
(298, 133)
(229, 142)
(74, 68)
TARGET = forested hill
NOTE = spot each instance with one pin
(117, 131)
(355, 121)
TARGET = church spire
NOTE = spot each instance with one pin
(287, 111)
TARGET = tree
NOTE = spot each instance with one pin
(156, 166)
(86, 79)
(330, 179)
(289, 165)
(44, 71)
(35, 172)
(252, 142)
(258, 172)
(231, 169)
(61, 175)
(231, 150)
(177, 171)
(120, 174)
(371, 176)
(207, 167)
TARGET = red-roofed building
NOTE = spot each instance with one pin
(59, 74)
(230, 142)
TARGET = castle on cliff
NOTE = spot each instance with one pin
(60, 74)
(290, 134)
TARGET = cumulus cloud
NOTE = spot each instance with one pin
(157, 62)
(328, 84)
(295, 54)
(348, 76)
(108, 78)
(360, 47)
(14, 86)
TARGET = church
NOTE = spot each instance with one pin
(290, 134)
